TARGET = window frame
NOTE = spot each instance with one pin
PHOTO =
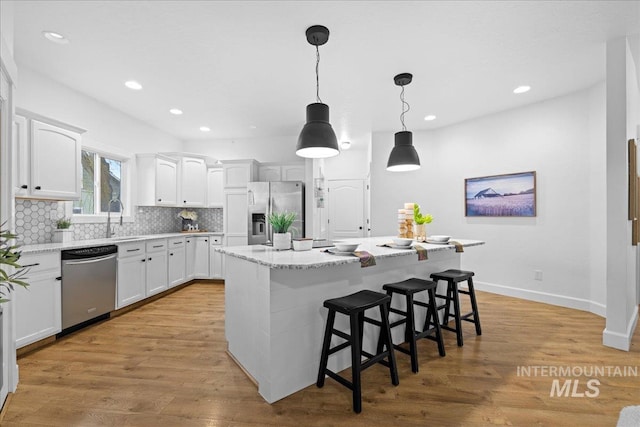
(125, 190)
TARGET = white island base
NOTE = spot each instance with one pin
(274, 314)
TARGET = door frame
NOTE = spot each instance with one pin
(365, 211)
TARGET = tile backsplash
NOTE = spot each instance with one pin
(34, 223)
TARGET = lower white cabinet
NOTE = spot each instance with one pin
(157, 266)
(190, 256)
(201, 258)
(176, 261)
(216, 267)
(132, 273)
(38, 308)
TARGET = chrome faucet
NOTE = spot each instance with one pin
(110, 231)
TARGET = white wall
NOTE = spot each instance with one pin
(6, 24)
(106, 127)
(556, 138)
(281, 149)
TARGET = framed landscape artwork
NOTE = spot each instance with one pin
(501, 195)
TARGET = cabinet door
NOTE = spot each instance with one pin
(215, 196)
(215, 262)
(55, 162)
(157, 272)
(38, 310)
(131, 280)
(177, 270)
(201, 267)
(190, 257)
(166, 183)
(237, 175)
(20, 157)
(293, 172)
(270, 173)
(235, 213)
(194, 182)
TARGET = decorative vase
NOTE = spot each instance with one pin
(421, 232)
(281, 241)
(62, 236)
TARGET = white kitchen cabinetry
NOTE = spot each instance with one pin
(177, 258)
(53, 165)
(157, 180)
(216, 267)
(190, 257)
(235, 217)
(282, 172)
(20, 157)
(38, 308)
(215, 189)
(157, 266)
(237, 174)
(132, 273)
(193, 183)
(201, 258)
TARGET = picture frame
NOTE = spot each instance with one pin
(506, 195)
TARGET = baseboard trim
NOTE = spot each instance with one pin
(545, 297)
(618, 340)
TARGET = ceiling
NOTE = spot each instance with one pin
(245, 69)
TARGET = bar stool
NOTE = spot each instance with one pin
(408, 288)
(354, 306)
(453, 277)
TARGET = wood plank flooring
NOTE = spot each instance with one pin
(165, 364)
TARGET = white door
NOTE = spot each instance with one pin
(346, 209)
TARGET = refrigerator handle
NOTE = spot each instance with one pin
(266, 220)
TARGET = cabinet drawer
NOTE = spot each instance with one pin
(176, 242)
(157, 245)
(38, 263)
(131, 249)
(215, 240)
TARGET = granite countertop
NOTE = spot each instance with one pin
(316, 258)
(51, 247)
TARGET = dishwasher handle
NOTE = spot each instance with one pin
(91, 260)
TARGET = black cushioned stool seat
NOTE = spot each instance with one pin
(453, 277)
(354, 306)
(431, 329)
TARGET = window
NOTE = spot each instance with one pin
(102, 181)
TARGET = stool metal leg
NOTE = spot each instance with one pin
(393, 368)
(324, 356)
(474, 306)
(356, 357)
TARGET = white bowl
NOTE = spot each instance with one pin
(401, 241)
(442, 239)
(346, 247)
(302, 244)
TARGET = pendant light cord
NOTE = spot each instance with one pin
(318, 75)
(404, 103)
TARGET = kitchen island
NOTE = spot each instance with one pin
(274, 314)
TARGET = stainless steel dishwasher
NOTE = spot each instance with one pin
(88, 284)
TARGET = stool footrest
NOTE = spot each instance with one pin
(340, 379)
(341, 334)
(339, 347)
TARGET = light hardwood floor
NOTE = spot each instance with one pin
(165, 364)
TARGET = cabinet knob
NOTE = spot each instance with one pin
(159, 200)
(25, 186)
(205, 240)
(149, 258)
(143, 260)
(185, 201)
(360, 228)
(170, 254)
(59, 278)
(38, 187)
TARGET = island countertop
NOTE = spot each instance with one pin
(317, 258)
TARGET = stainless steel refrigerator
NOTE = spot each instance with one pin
(277, 197)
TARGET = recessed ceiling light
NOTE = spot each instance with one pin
(175, 111)
(55, 37)
(345, 145)
(522, 89)
(253, 127)
(132, 84)
(204, 129)
(430, 117)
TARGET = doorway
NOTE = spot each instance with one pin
(347, 218)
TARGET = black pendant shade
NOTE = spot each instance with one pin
(317, 138)
(404, 156)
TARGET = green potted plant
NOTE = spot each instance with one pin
(281, 223)
(62, 233)
(421, 220)
(9, 256)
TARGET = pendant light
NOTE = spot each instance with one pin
(317, 138)
(404, 156)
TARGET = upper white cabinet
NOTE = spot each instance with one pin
(215, 196)
(157, 180)
(281, 172)
(238, 174)
(47, 158)
(193, 183)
